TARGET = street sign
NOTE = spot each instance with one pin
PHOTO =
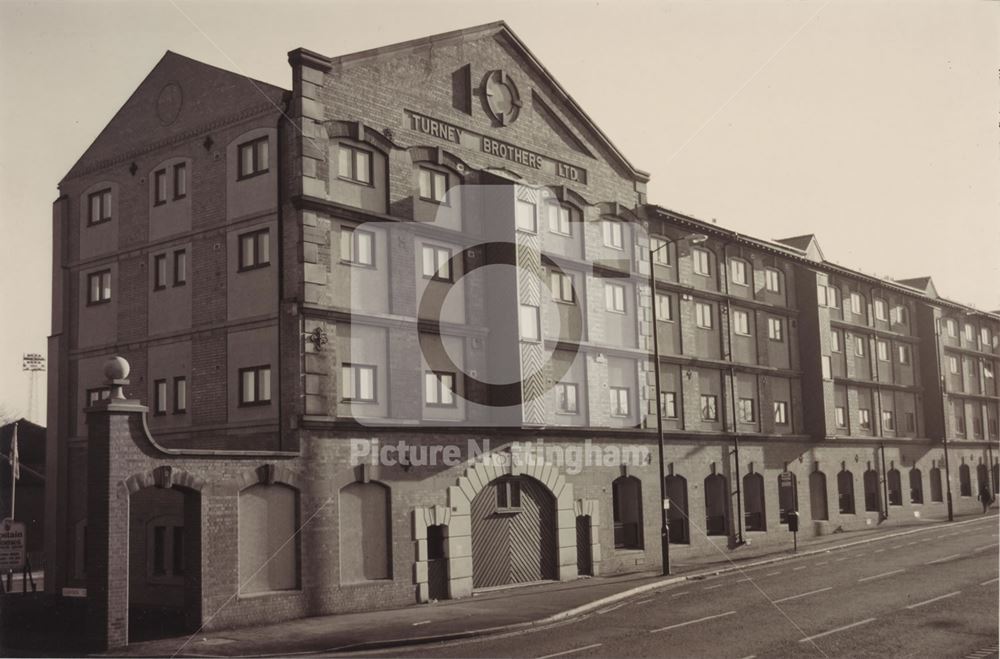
(32, 361)
(12, 541)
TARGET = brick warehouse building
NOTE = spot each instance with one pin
(287, 271)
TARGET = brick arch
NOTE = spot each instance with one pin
(164, 476)
(458, 544)
(268, 474)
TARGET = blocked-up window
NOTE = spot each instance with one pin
(365, 532)
(626, 495)
(268, 540)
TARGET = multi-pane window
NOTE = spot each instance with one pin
(357, 246)
(668, 404)
(781, 412)
(952, 327)
(911, 422)
(358, 381)
(904, 354)
(821, 295)
(612, 234)
(159, 271)
(738, 270)
(899, 315)
(953, 364)
(562, 286)
(703, 315)
(255, 385)
(180, 395)
(827, 367)
(255, 249)
(701, 262)
(772, 282)
(658, 248)
(439, 389)
(746, 410)
(882, 347)
(433, 185)
(741, 322)
(960, 421)
(159, 397)
(833, 297)
(619, 401)
(775, 329)
(865, 418)
(614, 297)
(881, 310)
(509, 495)
(855, 303)
(354, 164)
(977, 427)
(437, 262)
(180, 180)
(526, 216)
(559, 219)
(528, 323)
(160, 187)
(709, 407)
(253, 158)
(180, 267)
(888, 420)
(100, 207)
(566, 398)
(99, 287)
(835, 344)
(970, 332)
(664, 307)
(859, 346)
(984, 337)
(840, 414)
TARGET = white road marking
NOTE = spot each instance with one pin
(679, 594)
(987, 583)
(565, 652)
(752, 656)
(878, 551)
(879, 576)
(422, 622)
(933, 599)
(744, 579)
(985, 547)
(942, 560)
(801, 567)
(795, 597)
(822, 563)
(644, 601)
(896, 546)
(834, 631)
(609, 609)
(771, 574)
(841, 559)
(718, 585)
(692, 622)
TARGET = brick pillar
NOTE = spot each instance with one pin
(111, 424)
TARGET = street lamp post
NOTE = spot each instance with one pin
(665, 527)
(944, 415)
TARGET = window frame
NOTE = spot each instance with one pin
(881, 308)
(562, 390)
(613, 229)
(781, 413)
(351, 236)
(611, 290)
(160, 267)
(180, 267)
(864, 418)
(776, 329)
(617, 410)
(741, 328)
(99, 276)
(659, 247)
(355, 371)
(889, 420)
(180, 180)
(255, 237)
(554, 211)
(859, 345)
(664, 301)
(840, 416)
(743, 406)
(160, 397)
(903, 354)
(668, 404)
(700, 318)
(433, 176)
(437, 251)
(882, 350)
(257, 401)
(440, 388)
(180, 401)
(709, 402)
(520, 207)
(257, 169)
(836, 340)
(768, 272)
(742, 267)
(535, 320)
(103, 195)
(159, 187)
(856, 305)
(698, 255)
(559, 282)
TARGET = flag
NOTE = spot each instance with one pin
(15, 459)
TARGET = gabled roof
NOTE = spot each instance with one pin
(807, 243)
(500, 28)
(922, 284)
(137, 126)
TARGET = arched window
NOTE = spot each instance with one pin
(626, 501)
(964, 481)
(268, 542)
(916, 486)
(982, 478)
(365, 532)
(895, 487)
(716, 505)
(677, 516)
(817, 495)
(753, 501)
(996, 478)
(871, 491)
(935, 481)
(845, 492)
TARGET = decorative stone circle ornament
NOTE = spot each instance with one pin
(500, 95)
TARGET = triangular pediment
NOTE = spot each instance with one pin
(808, 244)
(179, 96)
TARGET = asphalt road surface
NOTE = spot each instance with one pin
(929, 594)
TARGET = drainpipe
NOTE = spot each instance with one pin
(885, 486)
(944, 414)
(728, 345)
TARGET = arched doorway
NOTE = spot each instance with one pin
(817, 496)
(513, 533)
(677, 516)
(964, 481)
(164, 551)
(716, 505)
(754, 517)
(870, 480)
(437, 562)
(845, 492)
(916, 486)
(982, 478)
(895, 487)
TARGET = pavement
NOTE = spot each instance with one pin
(512, 622)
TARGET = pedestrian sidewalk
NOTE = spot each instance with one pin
(491, 611)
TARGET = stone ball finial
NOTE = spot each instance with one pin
(116, 368)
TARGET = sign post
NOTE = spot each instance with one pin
(13, 539)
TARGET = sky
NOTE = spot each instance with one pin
(872, 124)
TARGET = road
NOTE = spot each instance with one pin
(929, 594)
